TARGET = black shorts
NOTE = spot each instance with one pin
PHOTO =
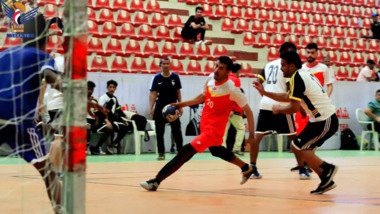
(268, 123)
(315, 134)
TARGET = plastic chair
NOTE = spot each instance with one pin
(157, 20)
(105, 15)
(362, 119)
(119, 5)
(249, 39)
(99, 63)
(95, 45)
(136, 5)
(123, 17)
(114, 47)
(138, 65)
(140, 18)
(163, 33)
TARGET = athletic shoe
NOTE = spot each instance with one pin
(328, 175)
(206, 42)
(101, 152)
(255, 174)
(246, 175)
(297, 168)
(150, 185)
(198, 43)
(304, 175)
(161, 157)
(172, 150)
(320, 190)
(109, 150)
(88, 152)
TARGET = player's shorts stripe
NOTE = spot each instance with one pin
(325, 130)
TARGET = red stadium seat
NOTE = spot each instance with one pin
(174, 21)
(367, 12)
(334, 44)
(177, 34)
(320, 8)
(295, 6)
(246, 70)
(351, 33)
(203, 51)
(282, 5)
(99, 63)
(242, 26)
(373, 46)
(348, 45)
(109, 29)
(363, 32)
(358, 60)
(176, 66)
(313, 31)
(55, 44)
(209, 67)
(93, 29)
(207, 10)
(372, 56)
(220, 12)
(256, 4)
(133, 47)
(278, 40)
(114, 47)
(213, 2)
(140, 18)
(357, 12)
(119, 64)
(291, 17)
(151, 49)
(354, 73)
(271, 28)
(343, 22)
(361, 45)
(277, 16)
(186, 50)
(249, 39)
(136, 5)
(269, 5)
(304, 18)
(333, 9)
(263, 15)
(235, 13)
(326, 32)
(193, 67)
(345, 11)
(339, 32)
(155, 66)
(285, 29)
(330, 20)
(227, 25)
(242, 3)
(322, 43)
(105, 15)
(367, 23)
(262, 41)
(169, 50)
(273, 54)
(308, 7)
(342, 74)
(123, 17)
(119, 5)
(257, 27)
(91, 14)
(317, 19)
(250, 14)
(50, 11)
(333, 57)
(348, 2)
(220, 50)
(163, 33)
(344, 59)
(306, 40)
(294, 39)
(299, 30)
(127, 30)
(138, 65)
(157, 20)
(145, 31)
(102, 4)
(228, 2)
(153, 7)
(371, 3)
(95, 45)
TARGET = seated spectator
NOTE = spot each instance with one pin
(194, 26)
(373, 111)
(375, 26)
(367, 73)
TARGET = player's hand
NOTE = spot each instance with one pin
(178, 105)
(378, 119)
(250, 140)
(180, 111)
(276, 109)
(258, 87)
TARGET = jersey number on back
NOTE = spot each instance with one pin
(273, 71)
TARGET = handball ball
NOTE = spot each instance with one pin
(170, 113)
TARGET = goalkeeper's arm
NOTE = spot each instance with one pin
(53, 79)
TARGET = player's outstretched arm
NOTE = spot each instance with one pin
(292, 108)
(53, 79)
(196, 100)
(281, 97)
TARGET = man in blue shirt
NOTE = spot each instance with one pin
(22, 69)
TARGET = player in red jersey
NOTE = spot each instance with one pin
(220, 95)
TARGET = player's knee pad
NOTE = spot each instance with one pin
(221, 152)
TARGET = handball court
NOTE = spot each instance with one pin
(203, 185)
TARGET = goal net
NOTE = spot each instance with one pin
(43, 117)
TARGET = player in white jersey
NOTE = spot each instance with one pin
(306, 91)
(274, 81)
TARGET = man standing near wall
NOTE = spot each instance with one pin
(165, 89)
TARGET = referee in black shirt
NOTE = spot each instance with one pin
(165, 89)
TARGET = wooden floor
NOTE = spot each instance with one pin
(208, 186)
